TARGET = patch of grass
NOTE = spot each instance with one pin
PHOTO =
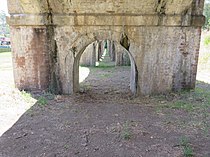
(203, 96)
(42, 101)
(106, 63)
(187, 149)
(181, 104)
(188, 152)
(105, 75)
(5, 50)
(177, 105)
(104, 66)
(26, 96)
(196, 103)
(207, 40)
(190, 101)
(126, 132)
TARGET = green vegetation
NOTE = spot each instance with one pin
(187, 149)
(26, 96)
(198, 99)
(194, 104)
(207, 40)
(5, 50)
(105, 75)
(126, 132)
(206, 12)
(42, 101)
(180, 104)
(105, 65)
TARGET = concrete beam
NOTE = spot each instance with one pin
(106, 20)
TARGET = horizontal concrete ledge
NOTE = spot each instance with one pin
(105, 20)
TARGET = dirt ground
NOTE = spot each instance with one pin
(103, 120)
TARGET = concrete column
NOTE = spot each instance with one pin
(88, 57)
(30, 57)
(93, 58)
(122, 57)
(100, 49)
(112, 51)
(97, 50)
(119, 55)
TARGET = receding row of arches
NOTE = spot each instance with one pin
(96, 51)
(107, 65)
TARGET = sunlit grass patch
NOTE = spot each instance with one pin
(26, 96)
(5, 50)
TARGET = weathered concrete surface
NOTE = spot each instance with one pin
(30, 57)
(89, 55)
(164, 37)
(122, 57)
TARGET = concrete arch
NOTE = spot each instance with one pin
(76, 50)
(48, 36)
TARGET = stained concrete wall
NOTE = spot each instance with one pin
(121, 56)
(164, 38)
(162, 65)
(89, 55)
(103, 6)
(30, 57)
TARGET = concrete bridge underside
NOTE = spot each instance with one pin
(162, 38)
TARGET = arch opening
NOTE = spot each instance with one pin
(105, 61)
